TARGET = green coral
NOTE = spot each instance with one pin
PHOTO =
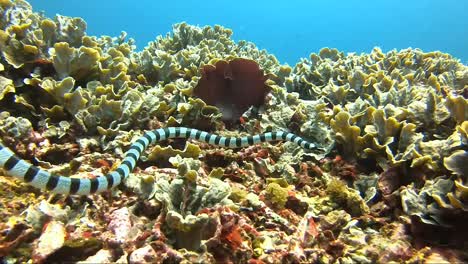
(88, 108)
(347, 134)
(199, 192)
(401, 109)
(86, 68)
(384, 105)
(276, 194)
(387, 137)
(442, 197)
(159, 153)
(26, 36)
(458, 107)
(347, 197)
(6, 87)
(196, 113)
(79, 63)
(181, 53)
(69, 66)
(457, 162)
(17, 127)
(186, 195)
(285, 110)
(202, 192)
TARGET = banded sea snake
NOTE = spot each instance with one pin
(42, 179)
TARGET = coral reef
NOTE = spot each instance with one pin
(232, 86)
(387, 181)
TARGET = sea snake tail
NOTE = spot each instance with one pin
(42, 179)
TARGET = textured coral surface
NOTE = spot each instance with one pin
(387, 181)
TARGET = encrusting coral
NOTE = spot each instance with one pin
(387, 176)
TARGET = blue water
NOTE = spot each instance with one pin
(288, 29)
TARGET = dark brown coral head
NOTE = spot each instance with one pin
(232, 86)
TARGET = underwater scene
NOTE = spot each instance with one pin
(205, 147)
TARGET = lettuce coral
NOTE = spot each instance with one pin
(6, 86)
(392, 125)
(183, 52)
(26, 36)
(185, 198)
(78, 63)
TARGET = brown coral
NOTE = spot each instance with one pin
(232, 86)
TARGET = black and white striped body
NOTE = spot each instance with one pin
(60, 184)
